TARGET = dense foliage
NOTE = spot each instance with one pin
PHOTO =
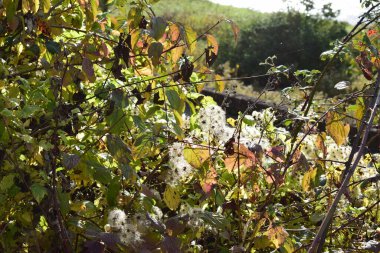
(106, 144)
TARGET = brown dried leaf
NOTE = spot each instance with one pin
(88, 69)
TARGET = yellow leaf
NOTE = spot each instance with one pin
(308, 179)
(359, 112)
(231, 121)
(171, 197)
(30, 5)
(46, 5)
(277, 235)
(210, 180)
(219, 83)
(196, 156)
(336, 128)
(134, 38)
(211, 42)
(191, 37)
(176, 53)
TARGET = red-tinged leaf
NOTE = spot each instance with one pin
(276, 153)
(235, 30)
(210, 180)
(274, 175)
(277, 235)
(176, 53)
(88, 69)
(245, 157)
(367, 74)
(320, 143)
(212, 43)
(174, 32)
(103, 50)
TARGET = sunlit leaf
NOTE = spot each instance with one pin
(174, 32)
(30, 6)
(277, 235)
(46, 5)
(336, 128)
(245, 158)
(210, 180)
(171, 197)
(190, 38)
(212, 43)
(196, 156)
(308, 179)
(219, 83)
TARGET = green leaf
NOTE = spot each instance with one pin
(113, 191)
(38, 191)
(70, 161)
(6, 113)
(129, 173)
(29, 111)
(174, 99)
(53, 47)
(158, 27)
(98, 171)
(154, 51)
(215, 220)
(119, 98)
(102, 175)
(118, 149)
(64, 202)
(7, 182)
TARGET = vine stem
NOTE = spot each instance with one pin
(318, 241)
(308, 102)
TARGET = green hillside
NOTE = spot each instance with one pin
(295, 38)
(202, 13)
